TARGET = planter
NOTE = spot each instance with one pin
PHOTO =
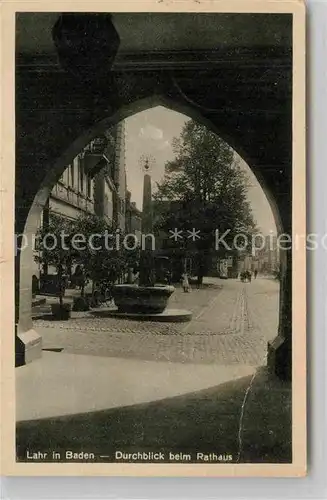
(81, 304)
(61, 312)
(52, 284)
(98, 297)
(141, 299)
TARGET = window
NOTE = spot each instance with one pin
(71, 175)
(106, 205)
(89, 182)
(81, 177)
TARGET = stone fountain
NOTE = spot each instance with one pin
(146, 300)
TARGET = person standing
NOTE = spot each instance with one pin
(185, 283)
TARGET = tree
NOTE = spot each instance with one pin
(55, 249)
(89, 226)
(207, 191)
(105, 258)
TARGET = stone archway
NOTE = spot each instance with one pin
(28, 341)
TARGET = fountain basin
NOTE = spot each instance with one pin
(134, 299)
(167, 316)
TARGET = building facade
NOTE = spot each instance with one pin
(120, 175)
(264, 260)
(267, 259)
(94, 183)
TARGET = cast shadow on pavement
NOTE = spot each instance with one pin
(249, 418)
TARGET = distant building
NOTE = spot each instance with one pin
(265, 260)
(268, 257)
(245, 263)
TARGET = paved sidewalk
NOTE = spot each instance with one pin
(247, 419)
(67, 384)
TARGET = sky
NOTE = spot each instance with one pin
(150, 133)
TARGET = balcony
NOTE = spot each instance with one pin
(95, 158)
(97, 146)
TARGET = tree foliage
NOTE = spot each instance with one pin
(55, 249)
(206, 188)
(106, 260)
(54, 243)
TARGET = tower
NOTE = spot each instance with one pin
(147, 276)
(147, 213)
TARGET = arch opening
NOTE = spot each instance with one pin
(55, 172)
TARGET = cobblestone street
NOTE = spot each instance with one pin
(232, 323)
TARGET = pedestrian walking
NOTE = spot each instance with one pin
(255, 274)
(185, 283)
(168, 277)
(79, 277)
